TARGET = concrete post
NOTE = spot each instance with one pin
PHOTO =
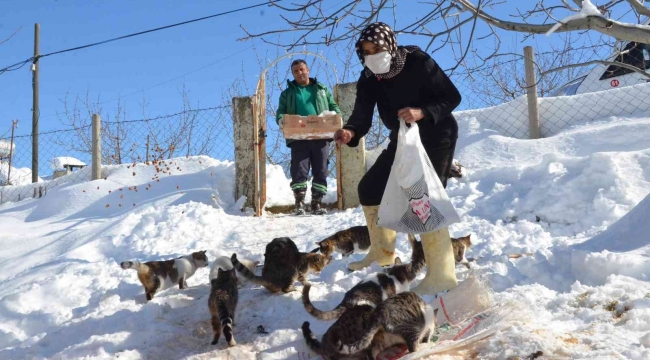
(245, 150)
(352, 161)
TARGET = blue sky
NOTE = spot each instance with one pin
(125, 67)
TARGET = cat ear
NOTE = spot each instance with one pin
(219, 271)
(398, 261)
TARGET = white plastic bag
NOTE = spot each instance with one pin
(414, 200)
(327, 112)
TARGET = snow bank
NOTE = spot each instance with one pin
(19, 176)
(559, 113)
(624, 248)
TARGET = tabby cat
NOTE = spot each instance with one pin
(405, 316)
(375, 287)
(346, 330)
(353, 240)
(223, 303)
(460, 246)
(160, 275)
(283, 265)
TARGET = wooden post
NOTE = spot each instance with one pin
(35, 111)
(11, 151)
(260, 95)
(256, 156)
(531, 92)
(96, 172)
(352, 160)
(146, 161)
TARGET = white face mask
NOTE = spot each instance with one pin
(378, 63)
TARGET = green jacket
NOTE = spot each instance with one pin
(324, 101)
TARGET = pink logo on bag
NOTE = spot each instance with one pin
(421, 207)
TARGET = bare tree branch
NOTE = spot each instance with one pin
(618, 30)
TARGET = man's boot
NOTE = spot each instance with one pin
(316, 199)
(441, 265)
(300, 202)
(382, 242)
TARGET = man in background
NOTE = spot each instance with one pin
(305, 96)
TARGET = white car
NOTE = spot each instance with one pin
(606, 77)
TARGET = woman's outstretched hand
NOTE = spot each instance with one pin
(343, 136)
(410, 115)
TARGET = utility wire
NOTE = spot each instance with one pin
(169, 80)
(31, 59)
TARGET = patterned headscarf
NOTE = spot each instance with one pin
(383, 36)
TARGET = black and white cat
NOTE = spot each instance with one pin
(376, 287)
(159, 275)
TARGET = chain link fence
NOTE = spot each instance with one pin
(64, 156)
(599, 93)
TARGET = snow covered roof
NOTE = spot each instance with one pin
(59, 163)
(6, 147)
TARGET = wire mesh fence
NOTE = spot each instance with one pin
(65, 155)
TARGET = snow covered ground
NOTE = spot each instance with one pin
(575, 201)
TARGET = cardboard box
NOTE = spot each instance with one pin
(311, 127)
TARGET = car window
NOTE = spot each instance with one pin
(635, 54)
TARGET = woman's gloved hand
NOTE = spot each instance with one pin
(343, 136)
(410, 115)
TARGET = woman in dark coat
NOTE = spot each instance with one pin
(404, 82)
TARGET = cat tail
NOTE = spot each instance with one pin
(364, 342)
(318, 314)
(412, 239)
(132, 265)
(311, 340)
(245, 272)
(226, 324)
(417, 256)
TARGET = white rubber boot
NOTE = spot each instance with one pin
(441, 265)
(382, 242)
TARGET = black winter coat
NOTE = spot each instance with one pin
(421, 84)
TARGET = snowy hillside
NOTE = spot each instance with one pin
(583, 291)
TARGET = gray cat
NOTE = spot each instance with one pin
(283, 265)
(404, 316)
(376, 287)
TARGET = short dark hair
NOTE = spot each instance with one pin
(298, 62)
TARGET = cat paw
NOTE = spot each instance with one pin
(232, 342)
